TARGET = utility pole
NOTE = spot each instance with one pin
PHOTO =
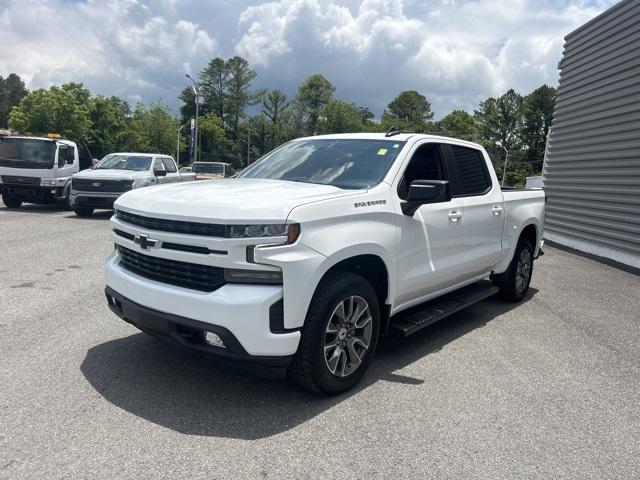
(178, 147)
(248, 143)
(196, 91)
(506, 158)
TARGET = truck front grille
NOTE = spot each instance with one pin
(173, 226)
(181, 274)
(21, 181)
(110, 186)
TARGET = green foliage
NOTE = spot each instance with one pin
(63, 110)
(537, 116)
(500, 119)
(12, 90)
(313, 95)
(153, 129)
(340, 117)
(458, 124)
(109, 132)
(409, 111)
(214, 144)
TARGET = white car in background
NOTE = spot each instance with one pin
(118, 173)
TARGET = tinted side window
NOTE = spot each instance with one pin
(63, 152)
(71, 155)
(169, 165)
(157, 164)
(425, 164)
(473, 178)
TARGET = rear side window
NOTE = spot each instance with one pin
(473, 178)
(169, 166)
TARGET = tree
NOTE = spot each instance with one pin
(215, 79)
(312, 96)
(12, 90)
(239, 94)
(500, 119)
(214, 144)
(408, 111)
(109, 118)
(340, 117)
(152, 129)
(458, 124)
(275, 108)
(537, 117)
(63, 110)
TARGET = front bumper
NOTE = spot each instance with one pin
(241, 309)
(188, 333)
(93, 200)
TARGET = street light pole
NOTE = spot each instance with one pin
(248, 143)
(178, 147)
(196, 91)
(506, 158)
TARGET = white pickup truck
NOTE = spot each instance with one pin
(304, 260)
(120, 172)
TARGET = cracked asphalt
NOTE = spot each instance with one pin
(548, 388)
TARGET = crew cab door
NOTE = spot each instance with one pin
(483, 219)
(431, 239)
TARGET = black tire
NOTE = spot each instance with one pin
(309, 367)
(11, 201)
(515, 283)
(83, 211)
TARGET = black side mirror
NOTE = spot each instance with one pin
(158, 172)
(422, 192)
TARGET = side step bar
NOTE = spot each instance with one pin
(416, 318)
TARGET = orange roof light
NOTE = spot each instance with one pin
(54, 136)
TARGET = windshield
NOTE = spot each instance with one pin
(208, 168)
(26, 153)
(116, 161)
(343, 163)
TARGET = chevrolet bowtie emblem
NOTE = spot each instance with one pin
(145, 242)
(96, 184)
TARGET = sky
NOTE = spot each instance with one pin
(455, 52)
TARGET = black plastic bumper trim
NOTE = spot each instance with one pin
(172, 328)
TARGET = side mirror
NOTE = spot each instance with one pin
(159, 172)
(422, 192)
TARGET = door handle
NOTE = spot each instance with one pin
(455, 215)
(497, 210)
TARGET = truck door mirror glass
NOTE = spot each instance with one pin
(70, 155)
(422, 192)
(159, 172)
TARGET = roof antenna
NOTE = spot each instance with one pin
(392, 131)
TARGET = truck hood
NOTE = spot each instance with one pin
(235, 199)
(109, 174)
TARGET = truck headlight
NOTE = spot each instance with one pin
(48, 182)
(237, 275)
(291, 231)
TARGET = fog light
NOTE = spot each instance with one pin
(213, 339)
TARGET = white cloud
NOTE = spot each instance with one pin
(456, 52)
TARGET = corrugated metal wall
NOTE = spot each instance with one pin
(592, 165)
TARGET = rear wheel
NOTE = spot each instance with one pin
(515, 284)
(340, 335)
(83, 211)
(11, 201)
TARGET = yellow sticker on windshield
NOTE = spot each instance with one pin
(382, 151)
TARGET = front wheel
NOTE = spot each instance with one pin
(83, 211)
(516, 283)
(340, 335)
(11, 201)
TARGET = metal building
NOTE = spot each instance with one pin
(592, 164)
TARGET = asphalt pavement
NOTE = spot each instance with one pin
(548, 388)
